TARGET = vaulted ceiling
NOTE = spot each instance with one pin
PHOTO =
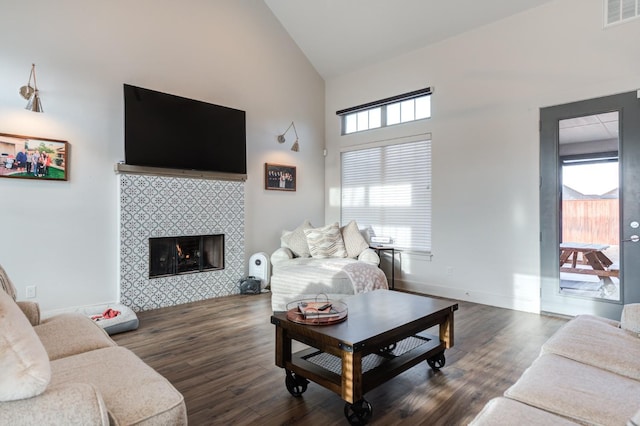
(339, 36)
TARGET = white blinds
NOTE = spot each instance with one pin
(388, 189)
(621, 10)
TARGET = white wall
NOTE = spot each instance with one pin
(489, 86)
(62, 236)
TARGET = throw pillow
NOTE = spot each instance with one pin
(6, 284)
(354, 242)
(24, 362)
(635, 420)
(630, 319)
(325, 242)
(296, 240)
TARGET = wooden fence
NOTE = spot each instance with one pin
(591, 221)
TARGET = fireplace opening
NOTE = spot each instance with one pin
(187, 254)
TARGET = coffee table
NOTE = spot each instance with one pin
(382, 336)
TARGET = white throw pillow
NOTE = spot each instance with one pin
(354, 242)
(25, 370)
(630, 319)
(326, 241)
(296, 240)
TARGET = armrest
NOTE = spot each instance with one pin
(68, 403)
(31, 311)
(630, 319)
(281, 254)
(369, 256)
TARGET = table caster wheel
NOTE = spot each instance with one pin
(358, 413)
(436, 362)
(296, 385)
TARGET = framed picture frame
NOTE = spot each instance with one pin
(32, 157)
(280, 177)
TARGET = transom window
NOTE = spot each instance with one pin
(387, 112)
(616, 11)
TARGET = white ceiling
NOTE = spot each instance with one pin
(339, 36)
(591, 128)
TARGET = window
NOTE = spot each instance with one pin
(387, 112)
(388, 189)
(616, 11)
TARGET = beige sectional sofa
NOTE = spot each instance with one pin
(67, 371)
(588, 373)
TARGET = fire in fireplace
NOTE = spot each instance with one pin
(180, 255)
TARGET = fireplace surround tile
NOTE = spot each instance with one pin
(161, 206)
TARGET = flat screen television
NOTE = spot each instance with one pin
(163, 130)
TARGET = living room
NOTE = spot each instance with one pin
(489, 84)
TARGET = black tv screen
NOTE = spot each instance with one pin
(169, 131)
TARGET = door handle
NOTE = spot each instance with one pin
(633, 239)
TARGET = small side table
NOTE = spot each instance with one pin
(391, 249)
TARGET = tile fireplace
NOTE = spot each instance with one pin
(208, 215)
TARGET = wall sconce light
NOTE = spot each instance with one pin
(31, 93)
(295, 147)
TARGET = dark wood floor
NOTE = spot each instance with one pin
(220, 354)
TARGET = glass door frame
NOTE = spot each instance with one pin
(628, 107)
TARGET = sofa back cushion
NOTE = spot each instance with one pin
(325, 241)
(24, 364)
(6, 284)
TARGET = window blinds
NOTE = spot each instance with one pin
(388, 189)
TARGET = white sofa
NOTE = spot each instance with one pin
(588, 373)
(329, 261)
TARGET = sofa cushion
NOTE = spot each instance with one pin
(354, 242)
(133, 392)
(296, 240)
(582, 392)
(325, 242)
(24, 365)
(630, 319)
(70, 334)
(506, 412)
(589, 340)
(68, 404)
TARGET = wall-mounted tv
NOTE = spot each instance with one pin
(163, 130)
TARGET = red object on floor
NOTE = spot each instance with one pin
(109, 313)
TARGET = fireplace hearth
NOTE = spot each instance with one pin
(185, 254)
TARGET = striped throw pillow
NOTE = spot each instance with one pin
(326, 241)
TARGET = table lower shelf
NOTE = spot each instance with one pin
(378, 367)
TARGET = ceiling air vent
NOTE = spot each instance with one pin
(620, 10)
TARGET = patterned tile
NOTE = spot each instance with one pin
(158, 206)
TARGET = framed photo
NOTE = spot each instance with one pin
(29, 157)
(279, 177)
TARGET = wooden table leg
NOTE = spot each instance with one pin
(351, 376)
(283, 348)
(446, 330)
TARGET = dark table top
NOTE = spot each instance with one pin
(374, 313)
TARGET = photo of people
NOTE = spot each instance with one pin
(279, 177)
(30, 157)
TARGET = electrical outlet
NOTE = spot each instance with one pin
(31, 291)
(449, 270)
